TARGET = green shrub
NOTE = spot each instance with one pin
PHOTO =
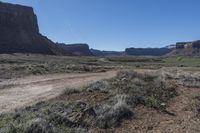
(152, 101)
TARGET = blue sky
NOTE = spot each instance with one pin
(117, 24)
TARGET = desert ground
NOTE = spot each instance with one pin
(50, 94)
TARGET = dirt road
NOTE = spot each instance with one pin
(16, 93)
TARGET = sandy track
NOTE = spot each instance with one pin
(21, 92)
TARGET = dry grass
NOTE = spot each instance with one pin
(121, 95)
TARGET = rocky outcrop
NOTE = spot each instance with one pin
(182, 45)
(187, 48)
(196, 44)
(19, 32)
(76, 49)
(148, 51)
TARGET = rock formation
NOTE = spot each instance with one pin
(76, 49)
(19, 32)
(187, 48)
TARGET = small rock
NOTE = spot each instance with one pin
(163, 104)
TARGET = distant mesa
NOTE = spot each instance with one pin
(187, 48)
(107, 53)
(148, 51)
(182, 45)
(79, 49)
(185, 45)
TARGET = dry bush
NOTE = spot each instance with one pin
(47, 117)
(140, 87)
(111, 114)
(185, 78)
(69, 91)
(190, 80)
(102, 86)
(38, 125)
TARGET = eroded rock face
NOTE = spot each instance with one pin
(19, 32)
(16, 16)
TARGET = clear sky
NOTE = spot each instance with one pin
(117, 24)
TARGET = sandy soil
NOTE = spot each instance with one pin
(16, 93)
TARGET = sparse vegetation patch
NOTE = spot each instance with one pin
(190, 80)
(119, 96)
